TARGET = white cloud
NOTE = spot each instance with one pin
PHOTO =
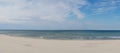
(20, 11)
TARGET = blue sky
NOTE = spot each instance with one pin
(60, 14)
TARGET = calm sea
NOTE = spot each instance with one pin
(65, 34)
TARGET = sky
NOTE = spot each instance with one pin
(60, 14)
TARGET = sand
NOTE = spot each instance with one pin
(10, 44)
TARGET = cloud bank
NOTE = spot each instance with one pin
(20, 11)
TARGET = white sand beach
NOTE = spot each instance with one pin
(10, 44)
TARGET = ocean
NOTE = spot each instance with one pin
(65, 34)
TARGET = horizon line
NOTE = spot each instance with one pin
(60, 29)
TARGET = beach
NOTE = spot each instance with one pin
(10, 44)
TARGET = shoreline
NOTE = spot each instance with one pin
(10, 44)
(61, 39)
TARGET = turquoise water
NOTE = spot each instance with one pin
(65, 34)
